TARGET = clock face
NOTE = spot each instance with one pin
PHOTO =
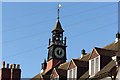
(59, 52)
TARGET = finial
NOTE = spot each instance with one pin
(59, 6)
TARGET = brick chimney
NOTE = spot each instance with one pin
(15, 72)
(10, 72)
(5, 72)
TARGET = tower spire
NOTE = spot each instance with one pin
(59, 6)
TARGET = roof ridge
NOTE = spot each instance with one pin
(104, 49)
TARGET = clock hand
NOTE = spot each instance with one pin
(59, 52)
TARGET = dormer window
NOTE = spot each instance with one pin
(72, 74)
(94, 65)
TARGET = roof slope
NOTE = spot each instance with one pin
(63, 66)
(80, 63)
(58, 27)
(38, 76)
(61, 72)
(84, 76)
(85, 57)
(114, 46)
(106, 52)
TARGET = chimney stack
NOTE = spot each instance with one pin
(117, 37)
(83, 53)
(10, 72)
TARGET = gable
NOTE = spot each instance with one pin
(54, 73)
(71, 65)
(94, 54)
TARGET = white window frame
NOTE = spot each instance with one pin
(72, 73)
(94, 66)
(69, 74)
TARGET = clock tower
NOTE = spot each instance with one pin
(57, 46)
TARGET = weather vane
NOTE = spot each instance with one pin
(59, 6)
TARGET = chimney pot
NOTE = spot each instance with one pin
(7, 65)
(18, 66)
(14, 66)
(10, 66)
(83, 52)
(3, 64)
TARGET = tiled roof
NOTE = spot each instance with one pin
(114, 46)
(85, 57)
(106, 69)
(63, 66)
(80, 63)
(61, 72)
(38, 76)
(105, 52)
(58, 27)
(84, 76)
